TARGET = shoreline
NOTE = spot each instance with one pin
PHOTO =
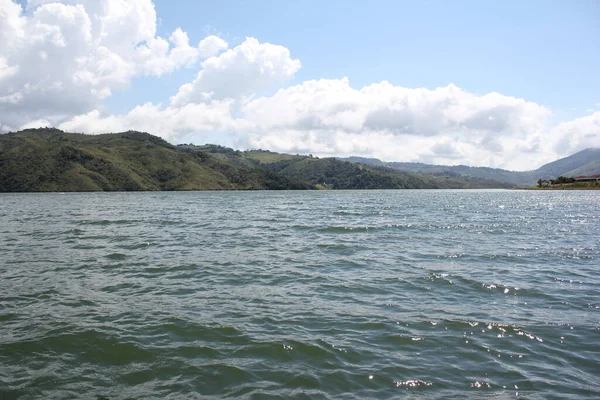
(561, 188)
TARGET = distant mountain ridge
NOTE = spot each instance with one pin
(585, 162)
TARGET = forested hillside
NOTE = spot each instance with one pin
(52, 160)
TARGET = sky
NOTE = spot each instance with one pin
(505, 84)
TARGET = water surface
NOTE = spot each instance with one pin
(328, 294)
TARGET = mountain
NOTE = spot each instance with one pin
(49, 159)
(585, 162)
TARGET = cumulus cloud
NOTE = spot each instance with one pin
(382, 107)
(159, 56)
(62, 58)
(211, 45)
(40, 123)
(170, 122)
(446, 148)
(246, 69)
(577, 135)
(7, 71)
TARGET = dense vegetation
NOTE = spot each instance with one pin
(563, 182)
(52, 160)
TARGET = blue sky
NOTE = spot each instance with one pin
(544, 51)
(497, 83)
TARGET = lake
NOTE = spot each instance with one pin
(314, 295)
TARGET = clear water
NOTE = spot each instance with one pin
(329, 294)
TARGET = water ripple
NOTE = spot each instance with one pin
(368, 294)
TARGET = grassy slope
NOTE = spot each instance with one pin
(591, 168)
(51, 160)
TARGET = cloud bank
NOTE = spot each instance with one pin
(61, 59)
(64, 61)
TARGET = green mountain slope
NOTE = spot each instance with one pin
(52, 160)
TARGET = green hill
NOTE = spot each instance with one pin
(48, 159)
(51, 160)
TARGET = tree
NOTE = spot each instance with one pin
(544, 182)
(562, 180)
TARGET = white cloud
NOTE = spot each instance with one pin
(159, 56)
(578, 134)
(40, 123)
(62, 58)
(7, 71)
(211, 46)
(169, 123)
(327, 105)
(244, 70)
